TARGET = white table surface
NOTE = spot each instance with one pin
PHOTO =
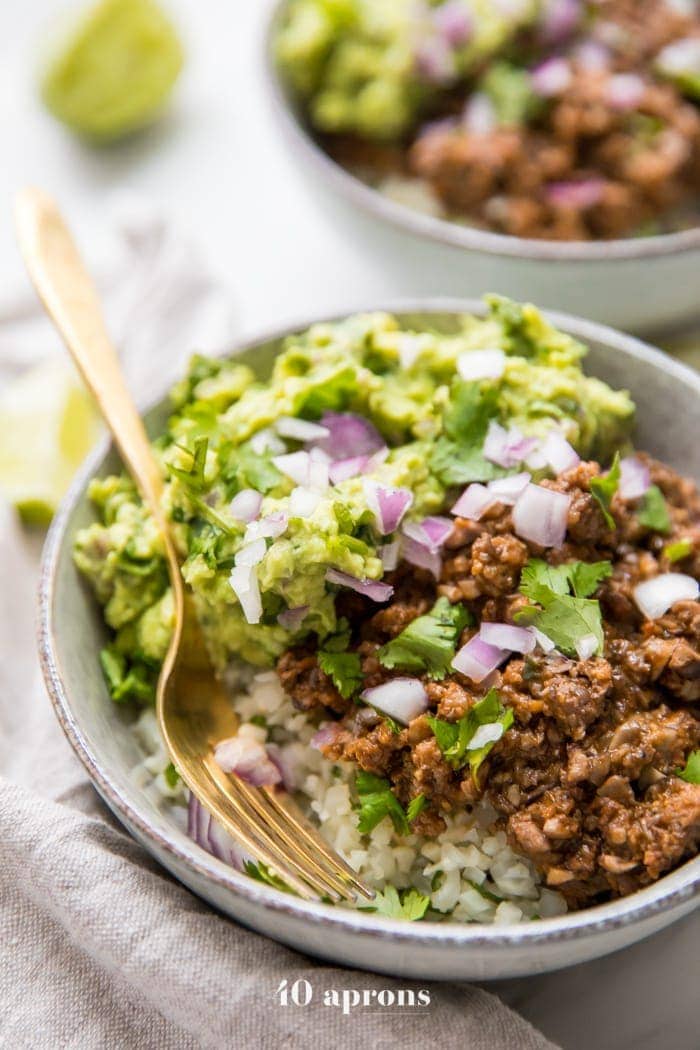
(218, 165)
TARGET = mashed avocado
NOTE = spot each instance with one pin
(372, 68)
(228, 429)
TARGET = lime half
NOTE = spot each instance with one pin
(116, 69)
(47, 425)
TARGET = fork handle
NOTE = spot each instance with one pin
(70, 298)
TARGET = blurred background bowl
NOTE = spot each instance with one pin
(642, 284)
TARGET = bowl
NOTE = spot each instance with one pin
(72, 632)
(642, 284)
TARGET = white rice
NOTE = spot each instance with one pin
(461, 870)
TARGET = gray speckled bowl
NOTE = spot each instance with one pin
(72, 632)
(641, 284)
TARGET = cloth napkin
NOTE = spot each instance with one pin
(99, 946)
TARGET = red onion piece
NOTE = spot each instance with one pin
(540, 515)
(292, 619)
(505, 636)
(244, 582)
(389, 555)
(474, 502)
(350, 436)
(656, 596)
(559, 20)
(586, 646)
(305, 469)
(266, 440)
(477, 660)
(490, 733)
(401, 698)
(286, 766)
(681, 58)
(435, 61)
(558, 453)
(388, 505)
(343, 469)
(508, 490)
(208, 833)
(248, 759)
(373, 589)
(544, 641)
(422, 557)
(578, 195)
(325, 735)
(303, 502)
(252, 553)
(507, 448)
(625, 91)
(245, 505)
(551, 77)
(454, 23)
(300, 429)
(482, 364)
(271, 526)
(635, 478)
(437, 531)
(592, 55)
(479, 116)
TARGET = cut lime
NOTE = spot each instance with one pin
(115, 71)
(47, 425)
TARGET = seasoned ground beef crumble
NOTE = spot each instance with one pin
(585, 781)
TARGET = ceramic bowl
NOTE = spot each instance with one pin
(643, 284)
(72, 632)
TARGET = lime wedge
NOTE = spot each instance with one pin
(114, 72)
(47, 425)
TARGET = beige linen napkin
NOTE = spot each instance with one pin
(99, 947)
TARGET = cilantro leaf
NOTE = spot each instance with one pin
(415, 806)
(339, 640)
(455, 738)
(653, 513)
(409, 904)
(585, 576)
(457, 457)
(171, 775)
(679, 550)
(261, 873)
(565, 618)
(193, 479)
(345, 670)
(539, 581)
(691, 773)
(377, 801)
(603, 489)
(253, 470)
(428, 643)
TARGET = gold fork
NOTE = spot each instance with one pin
(193, 710)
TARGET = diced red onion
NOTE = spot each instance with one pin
(421, 556)
(401, 698)
(586, 646)
(244, 582)
(304, 469)
(544, 641)
(559, 20)
(271, 526)
(248, 759)
(508, 490)
(454, 23)
(292, 619)
(507, 448)
(482, 364)
(245, 505)
(433, 127)
(578, 195)
(477, 659)
(350, 436)
(656, 596)
(505, 636)
(252, 553)
(551, 78)
(388, 505)
(680, 58)
(373, 589)
(474, 502)
(287, 767)
(343, 469)
(635, 478)
(479, 116)
(303, 502)
(267, 441)
(625, 91)
(490, 733)
(540, 515)
(592, 55)
(409, 346)
(436, 530)
(325, 735)
(208, 833)
(389, 555)
(300, 429)
(435, 61)
(558, 453)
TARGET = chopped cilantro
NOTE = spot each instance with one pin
(377, 801)
(345, 670)
(603, 489)
(679, 550)
(428, 643)
(258, 720)
(244, 468)
(457, 456)
(484, 892)
(409, 904)
(454, 738)
(415, 806)
(193, 478)
(565, 618)
(653, 513)
(127, 680)
(171, 775)
(393, 726)
(691, 773)
(339, 640)
(262, 873)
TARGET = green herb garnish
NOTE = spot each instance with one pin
(565, 618)
(603, 489)
(127, 680)
(344, 669)
(415, 806)
(428, 643)
(377, 801)
(409, 904)
(172, 777)
(691, 772)
(679, 550)
(653, 513)
(455, 739)
(457, 457)
(261, 873)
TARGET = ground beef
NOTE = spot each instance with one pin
(585, 781)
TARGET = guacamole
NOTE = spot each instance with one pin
(272, 486)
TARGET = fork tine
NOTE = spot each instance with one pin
(303, 863)
(286, 804)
